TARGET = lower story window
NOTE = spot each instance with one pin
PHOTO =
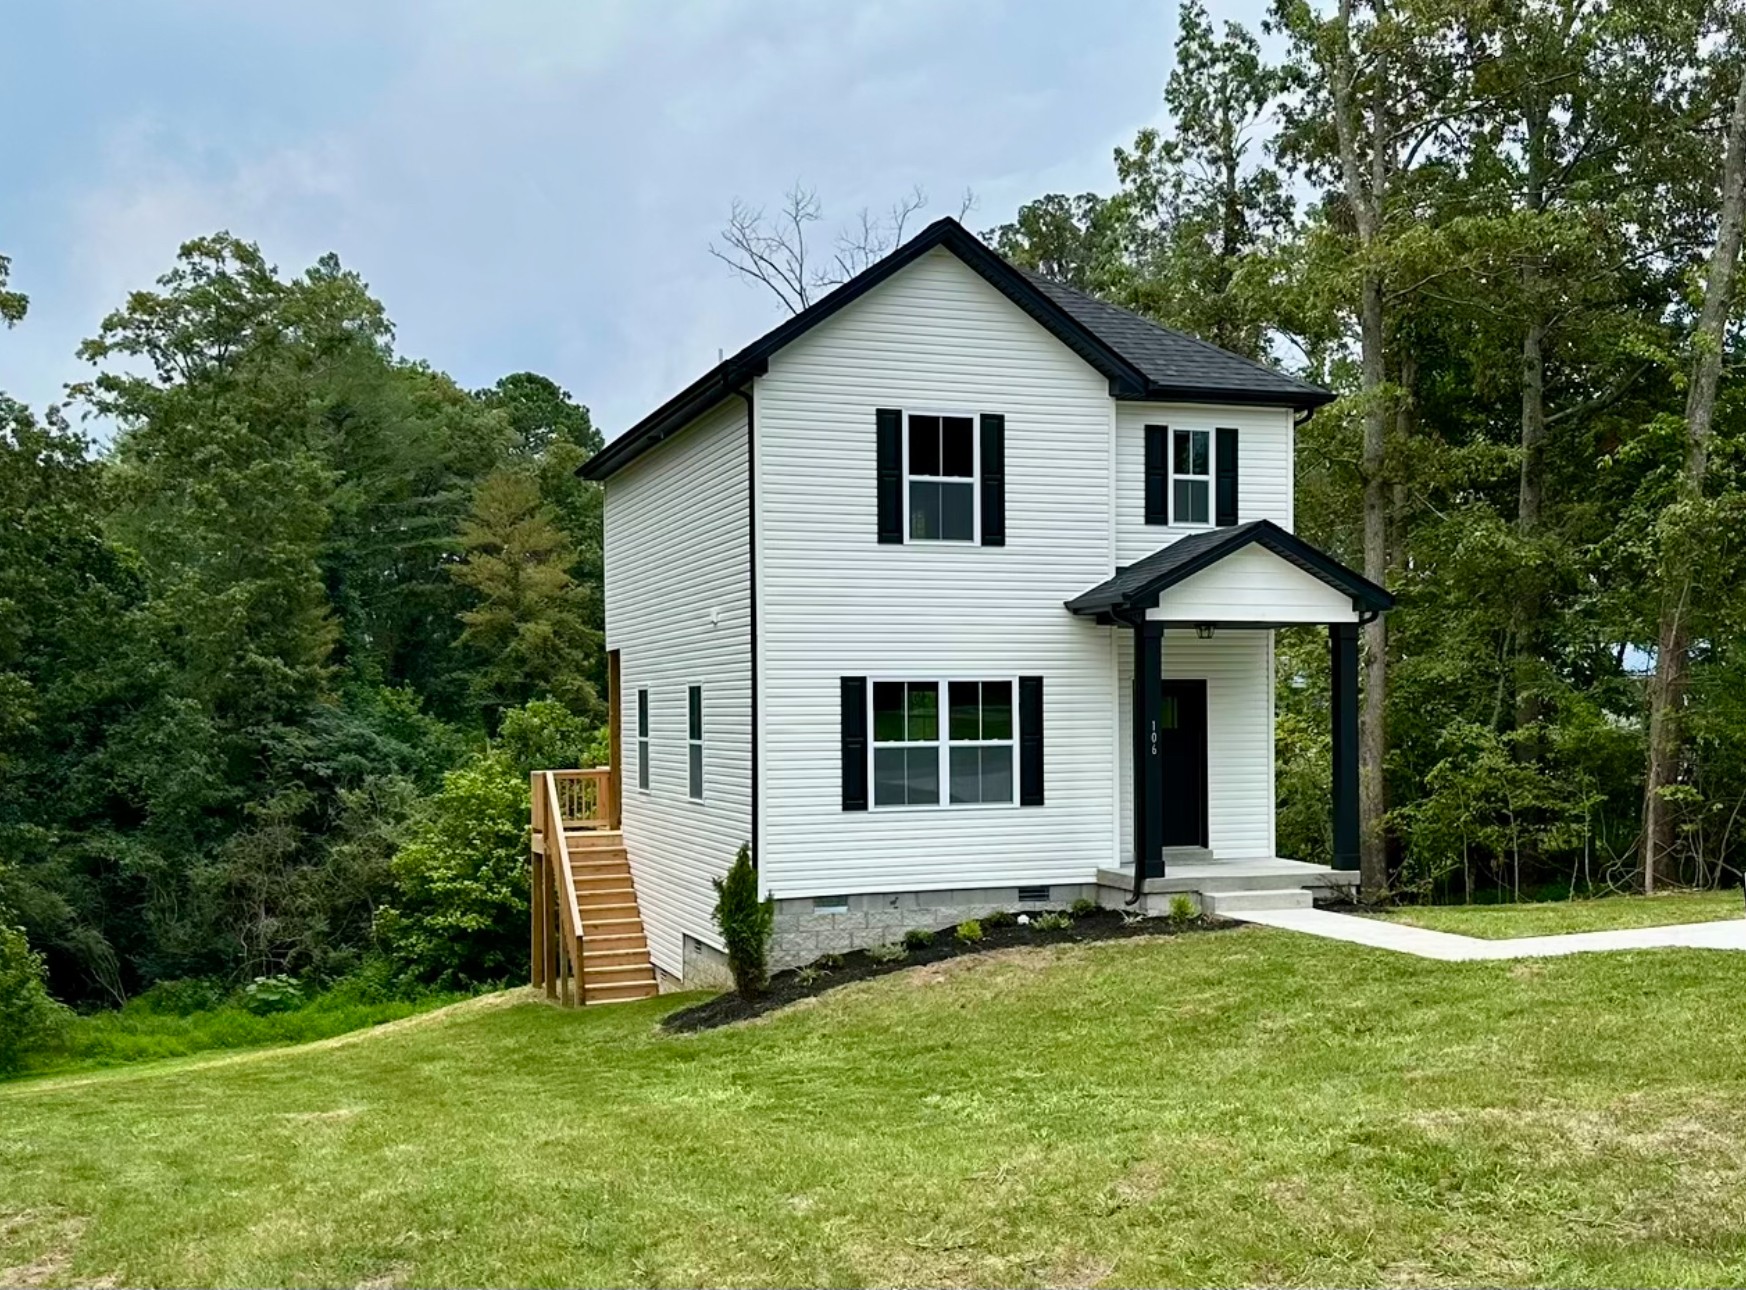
(922, 757)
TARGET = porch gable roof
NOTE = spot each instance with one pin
(1137, 587)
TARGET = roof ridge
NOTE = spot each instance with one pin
(1177, 332)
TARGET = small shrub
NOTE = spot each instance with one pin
(829, 960)
(1132, 916)
(969, 931)
(811, 974)
(889, 952)
(181, 998)
(1053, 921)
(29, 1018)
(999, 918)
(918, 938)
(1182, 910)
(1082, 907)
(269, 994)
(746, 924)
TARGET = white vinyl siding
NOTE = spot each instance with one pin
(1264, 468)
(677, 610)
(834, 602)
(1238, 669)
(1253, 585)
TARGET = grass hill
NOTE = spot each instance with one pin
(1237, 1107)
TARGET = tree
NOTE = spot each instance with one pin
(529, 623)
(1683, 527)
(13, 304)
(1080, 241)
(1207, 209)
(773, 249)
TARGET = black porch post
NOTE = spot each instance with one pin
(1343, 656)
(1148, 747)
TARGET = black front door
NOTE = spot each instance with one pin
(1182, 737)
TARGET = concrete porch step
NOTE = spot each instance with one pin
(1223, 902)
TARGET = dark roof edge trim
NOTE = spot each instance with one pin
(1366, 595)
(1309, 400)
(1126, 381)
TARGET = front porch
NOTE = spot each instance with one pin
(1245, 581)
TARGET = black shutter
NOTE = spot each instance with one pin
(1157, 474)
(1030, 741)
(1225, 485)
(993, 479)
(854, 743)
(890, 459)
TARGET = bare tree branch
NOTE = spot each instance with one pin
(773, 250)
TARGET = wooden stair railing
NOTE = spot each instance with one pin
(588, 940)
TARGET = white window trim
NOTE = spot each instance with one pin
(975, 480)
(645, 753)
(945, 743)
(691, 743)
(1212, 473)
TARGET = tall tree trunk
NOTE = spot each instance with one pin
(1365, 192)
(1531, 495)
(1673, 639)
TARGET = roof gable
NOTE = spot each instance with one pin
(1140, 359)
(1137, 587)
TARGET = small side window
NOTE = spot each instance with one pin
(642, 739)
(694, 738)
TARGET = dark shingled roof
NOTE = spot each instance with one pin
(1141, 360)
(1175, 363)
(1137, 587)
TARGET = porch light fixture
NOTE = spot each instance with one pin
(1204, 631)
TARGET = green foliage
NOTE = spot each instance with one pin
(1053, 920)
(529, 623)
(888, 952)
(459, 917)
(999, 918)
(178, 1019)
(918, 938)
(1083, 907)
(746, 924)
(269, 994)
(29, 1018)
(969, 931)
(811, 974)
(1182, 910)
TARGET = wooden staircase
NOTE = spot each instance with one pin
(615, 951)
(588, 940)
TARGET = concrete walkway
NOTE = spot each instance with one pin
(1723, 934)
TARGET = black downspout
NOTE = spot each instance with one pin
(752, 589)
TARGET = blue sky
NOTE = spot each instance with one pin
(529, 184)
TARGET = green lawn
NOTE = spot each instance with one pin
(1497, 922)
(1238, 1107)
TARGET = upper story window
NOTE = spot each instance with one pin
(1191, 476)
(941, 478)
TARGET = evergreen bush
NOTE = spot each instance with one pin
(746, 924)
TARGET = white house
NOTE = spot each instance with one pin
(875, 591)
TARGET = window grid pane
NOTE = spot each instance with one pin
(642, 763)
(642, 714)
(697, 771)
(1191, 501)
(941, 479)
(694, 712)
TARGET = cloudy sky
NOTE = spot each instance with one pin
(530, 184)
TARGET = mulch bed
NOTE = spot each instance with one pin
(833, 970)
